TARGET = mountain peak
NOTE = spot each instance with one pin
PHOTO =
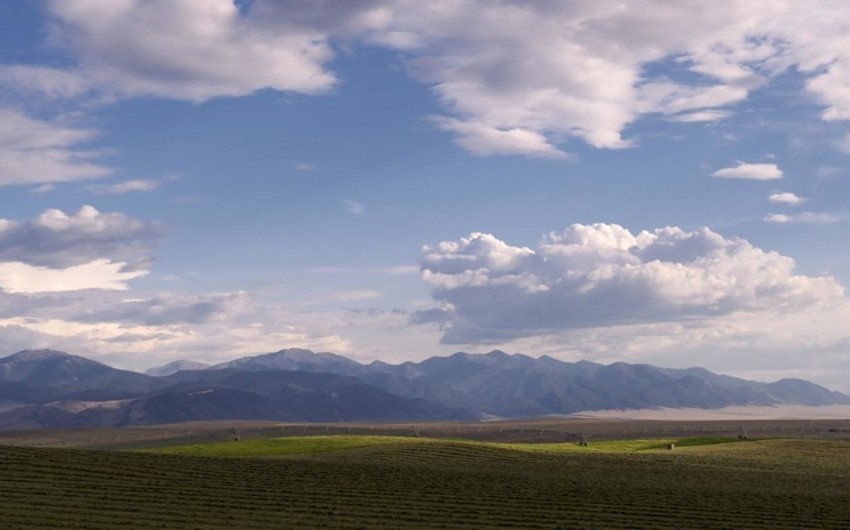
(297, 359)
(176, 366)
(296, 354)
(43, 365)
(38, 355)
(492, 356)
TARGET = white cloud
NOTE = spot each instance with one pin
(17, 277)
(35, 152)
(762, 345)
(701, 116)
(603, 275)
(667, 98)
(750, 171)
(514, 77)
(831, 87)
(803, 218)
(479, 139)
(44, 188)
(188, 49)
(51, 83)
(56, 239)
(558, 70)
(787, 198)
(139, 333)
(126, 187)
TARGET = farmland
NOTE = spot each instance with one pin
(377, 481)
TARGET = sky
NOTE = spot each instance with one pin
(646, 181)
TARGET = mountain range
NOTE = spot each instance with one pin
(46, 388)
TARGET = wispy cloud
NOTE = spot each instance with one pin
(33, 151)
(44, 81)
(44, 188)
(125, 187)
(701, 116)
(399, 270)
(804, 218)
(744, 170)
(354, 207)
(844, 145)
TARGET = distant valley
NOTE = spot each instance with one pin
(51, 389)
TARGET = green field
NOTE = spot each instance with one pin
(391, 482)
(294, 445)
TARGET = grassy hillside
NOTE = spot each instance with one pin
(383, 482)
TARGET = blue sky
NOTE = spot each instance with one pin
(647, 182)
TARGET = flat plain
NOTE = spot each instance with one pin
(365, 480)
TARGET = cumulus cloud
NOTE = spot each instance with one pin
(787, 198)
(744, 170)
(34, 151)
(803, 218)
(188, 49)
(602, 275)
(57, 240)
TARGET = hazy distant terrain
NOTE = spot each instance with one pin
(777, 412)
(44, 388)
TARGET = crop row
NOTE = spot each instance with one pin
(435, 485)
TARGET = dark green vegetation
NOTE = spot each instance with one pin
(381, 482)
